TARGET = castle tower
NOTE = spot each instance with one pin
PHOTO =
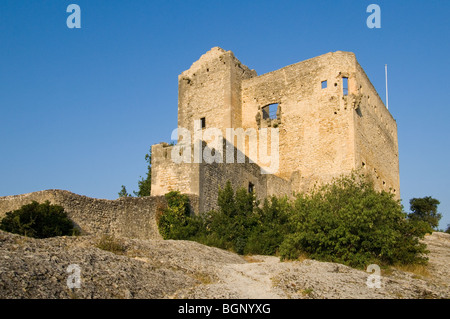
(329, 117)
(210, 91)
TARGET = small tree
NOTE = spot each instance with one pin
(425, 209)
(448, 229)
(176, 221)
(123, 192)
(145, 185)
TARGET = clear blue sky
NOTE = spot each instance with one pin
(79, 108)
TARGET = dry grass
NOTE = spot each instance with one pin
(203, 278)
(301, 258)
(418, 270)
(306, 292)
(111, 244)
(251, 259)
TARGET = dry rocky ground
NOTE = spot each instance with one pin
(37, 268)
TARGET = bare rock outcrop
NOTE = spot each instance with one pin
(156, 269)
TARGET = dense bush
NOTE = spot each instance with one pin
(349, 222)
(175, 221)
(241, 225)
(228, 227)
(346, 221)
(38, 221)
(424, 213)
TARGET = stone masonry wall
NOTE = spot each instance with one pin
(316, 128)
(215, 176)
(168, 175)
(376, 137)
(210, 88)
(127, 217)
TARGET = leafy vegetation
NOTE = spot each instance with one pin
(39, 221)
(346, 221)
(144, 184)
(349, 222)
(242, 226)
(123, 192)
(175, 222)
(424, 213)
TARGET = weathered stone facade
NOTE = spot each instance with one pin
(329, 117)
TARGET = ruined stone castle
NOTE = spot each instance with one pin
(329, 119)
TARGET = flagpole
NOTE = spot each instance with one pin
(387, 97)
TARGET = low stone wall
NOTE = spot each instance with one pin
(127, 217)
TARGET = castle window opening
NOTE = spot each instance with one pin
(251, 187)
(270, 111)
(345, 85)
(203, 121)
(324, 84)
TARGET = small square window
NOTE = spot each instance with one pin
(203, 121)
(324, 84)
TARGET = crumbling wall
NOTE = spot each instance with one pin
(128, 217)
(210, 88)
(168, 175)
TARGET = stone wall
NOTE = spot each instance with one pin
(205, 179)
(214, 176)
(168, 175)
(211, 88)
(376, 137)
(127, 217)
(316, 129)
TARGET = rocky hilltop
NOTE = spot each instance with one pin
(38, 268)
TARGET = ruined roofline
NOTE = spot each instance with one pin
(296, 64)
(357, 67)
(217, 52)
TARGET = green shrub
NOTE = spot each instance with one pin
(242, 226)
(271, 227)
(39, 221)
(229, 227)
(175, 221)
(348, 222)
(424, 213)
